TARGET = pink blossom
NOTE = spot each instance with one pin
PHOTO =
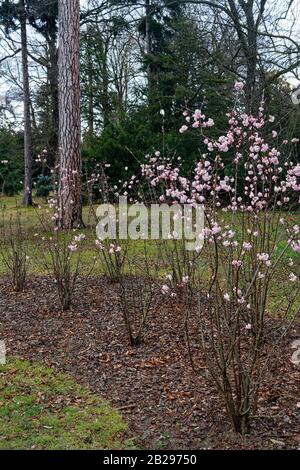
(79, 238)
(209, 123)
(265, 258)
(183, 129)
(239, 86)
(165, 289)
(247, 246)
(236, 263)
(296, 246)
(293, 277)
(99, 244)
(216, 229)
(72, 247)
(296, 171)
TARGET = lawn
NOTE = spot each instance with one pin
(43, 409)
(11, 208)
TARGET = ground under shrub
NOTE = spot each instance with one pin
(166, 404)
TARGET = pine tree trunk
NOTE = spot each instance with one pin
(27, 201)
(105, 104)
(69, 196)
(90, 88)
(53, 84)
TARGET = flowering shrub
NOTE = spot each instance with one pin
(167, 186)
(63, 260)
(14, 253)
(246, 180)
(248, 245)
(139, 293)
(112, 258)
(62, 254)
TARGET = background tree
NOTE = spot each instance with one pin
(43, 17)
(10, 15)
(138, 57)
(28, 150)
(69, 196)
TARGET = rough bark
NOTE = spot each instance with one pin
(90, 89)
(27, 117)
(53, 85)
(251, 54)
(69, 196)
(104, 97)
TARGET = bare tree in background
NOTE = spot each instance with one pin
(11, 14)
(27, 114)
(69, 197)
(263, 32)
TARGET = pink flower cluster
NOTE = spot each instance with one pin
(265, 176)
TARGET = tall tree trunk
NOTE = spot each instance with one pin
(90, 87)
(251, 57)
(105, 103)
(69, 195)
(247, 30)
(53, 85)
(27, 117)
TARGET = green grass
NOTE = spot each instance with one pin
(42, 409)
(11, 206)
